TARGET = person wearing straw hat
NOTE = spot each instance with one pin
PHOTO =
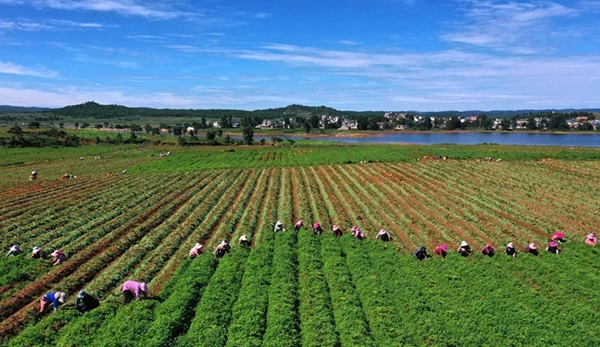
(278, 226)
(133, 289)
(553, 248)
(56, 298)
(196, 250)
(14, 251)
(37, 253)
(464, 249)
(33, 175)
(510, 250)
(531, 249)
(59, 257)
(244, 241)
(488, 250)
(591, 240)
(85, 302)
(441, 250)
(337, 231)
(383, 235)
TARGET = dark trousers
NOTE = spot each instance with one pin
(127, 296)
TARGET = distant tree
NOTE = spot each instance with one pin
(156, 131)
(98, 126)
(61, 125)
(34, 125)
(119, 138)
(181, 141)
(16, 130)
(177, 131)
(314, 122)
(426, 124)
(452, 123)
(530, 125)
(307, 127)
(85, 125)
(148, 128)
(362, 123)
(76, 125)
(219, 132)
(248, 135)
(505, 124)
(210, 135)
(586, 126)
(228, 140)
(373, 124)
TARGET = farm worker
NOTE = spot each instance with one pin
(85, 302)
(488, 250)
(56, 298)
(441, 250)
(133, 289)
(125, 171)
(553, 248)
(33, 175)
(337, 231)
(59, 257)
(383, 236)
(37, 253)
(317, 228)
(299, 224)
(464, 249)
(558, 236)
(14, 250)
(531, 248)
(219, 252)
(196, 250)
(244, 241)
(358, 217)
(278, 226)
(421, 253)
(591, 240)
(225, 245)
(356, 232)
(510, 250)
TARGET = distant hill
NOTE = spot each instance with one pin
(16, 109)
(95, 110)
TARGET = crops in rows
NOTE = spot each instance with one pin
(291, 288)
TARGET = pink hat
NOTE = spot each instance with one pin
(382, 231)
(55, 253)
(591, 236)
(489, 245)
(553, 244)
(559, 234)
(510, 245)
(532, 245)
(443, 246)
(335, 227)
(197, 246)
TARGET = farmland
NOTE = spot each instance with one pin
(291, 288)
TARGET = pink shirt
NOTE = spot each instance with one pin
(134, 286)
(194, 252)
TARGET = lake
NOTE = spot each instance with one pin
(468, 138)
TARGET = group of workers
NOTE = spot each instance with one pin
(38, 253)
(85, 302)
(465, 249)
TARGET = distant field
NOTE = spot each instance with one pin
(291, 288)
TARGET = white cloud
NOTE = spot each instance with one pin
(69, 23)
(123, 7)
(14, 69)
(515, 26)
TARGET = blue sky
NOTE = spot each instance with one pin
(387, 55)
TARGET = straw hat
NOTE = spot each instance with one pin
(532, 245)
(464, 244)
(61, 297)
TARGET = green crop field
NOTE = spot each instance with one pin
(296, 288)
